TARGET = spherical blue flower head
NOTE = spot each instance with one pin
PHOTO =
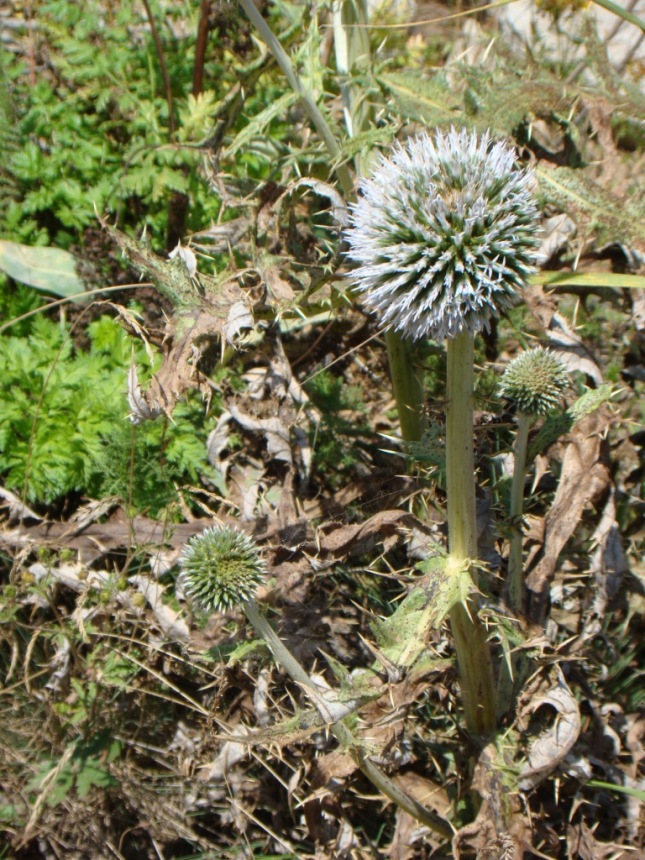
(443, 234)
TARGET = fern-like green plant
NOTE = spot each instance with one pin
(9, 136)
(64, 428)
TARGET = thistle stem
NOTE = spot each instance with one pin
(339, 728)
(473, 651)
(515, 569)
(406, 386)
(320, 123)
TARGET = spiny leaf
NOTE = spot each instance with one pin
(558, 425)
(402, 636)
(420, 98)
(593, 207)
(259, 123)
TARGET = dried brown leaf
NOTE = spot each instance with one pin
(583, 478)
(582, 844)
(549, 750)
(608, 565)
(172, 625)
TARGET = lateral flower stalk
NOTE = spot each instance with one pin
(534, 381)
(221, 569)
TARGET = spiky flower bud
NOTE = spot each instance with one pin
(534, 381)
(443, 234)
(221, 568)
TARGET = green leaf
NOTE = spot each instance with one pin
(259, 123)
(49, 269)
(402, 636)
(638, 793)
(558, 425)
(612, 280)
(593, 207)
(91, 775)
(447, 583)
(421, 98)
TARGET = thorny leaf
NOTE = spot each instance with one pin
(189, 335)
(231, 752)
(170, 277)
(408, 833)
(323, 189)
(256, 127)
(217, 443)
(219, 238)
(583, 844)
(583, 477)
(131, 324)
(187, 257)
(558, 425)
(558, 230)
(239, 319)
(140, 409)
(593, 207)
(608, 565)
(274, 431)
(278, 288)
(200, 320)
(402, 636)
(500, 829)
(571, 350)
(549, 750)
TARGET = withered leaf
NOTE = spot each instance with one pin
(583, 477)
(548, 751)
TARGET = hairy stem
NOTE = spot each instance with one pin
(515, 569)
(331, 712)
(473, 651)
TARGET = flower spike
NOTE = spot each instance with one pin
(444, 234)
(221, 568)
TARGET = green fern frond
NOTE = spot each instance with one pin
(9, 141)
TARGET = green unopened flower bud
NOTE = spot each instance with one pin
(534, 381)
(221, 568)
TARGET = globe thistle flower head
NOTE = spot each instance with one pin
(443, 234)
(220, 569)
(534, 381)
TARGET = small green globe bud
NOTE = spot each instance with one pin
(221, 568)
(534, 381)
